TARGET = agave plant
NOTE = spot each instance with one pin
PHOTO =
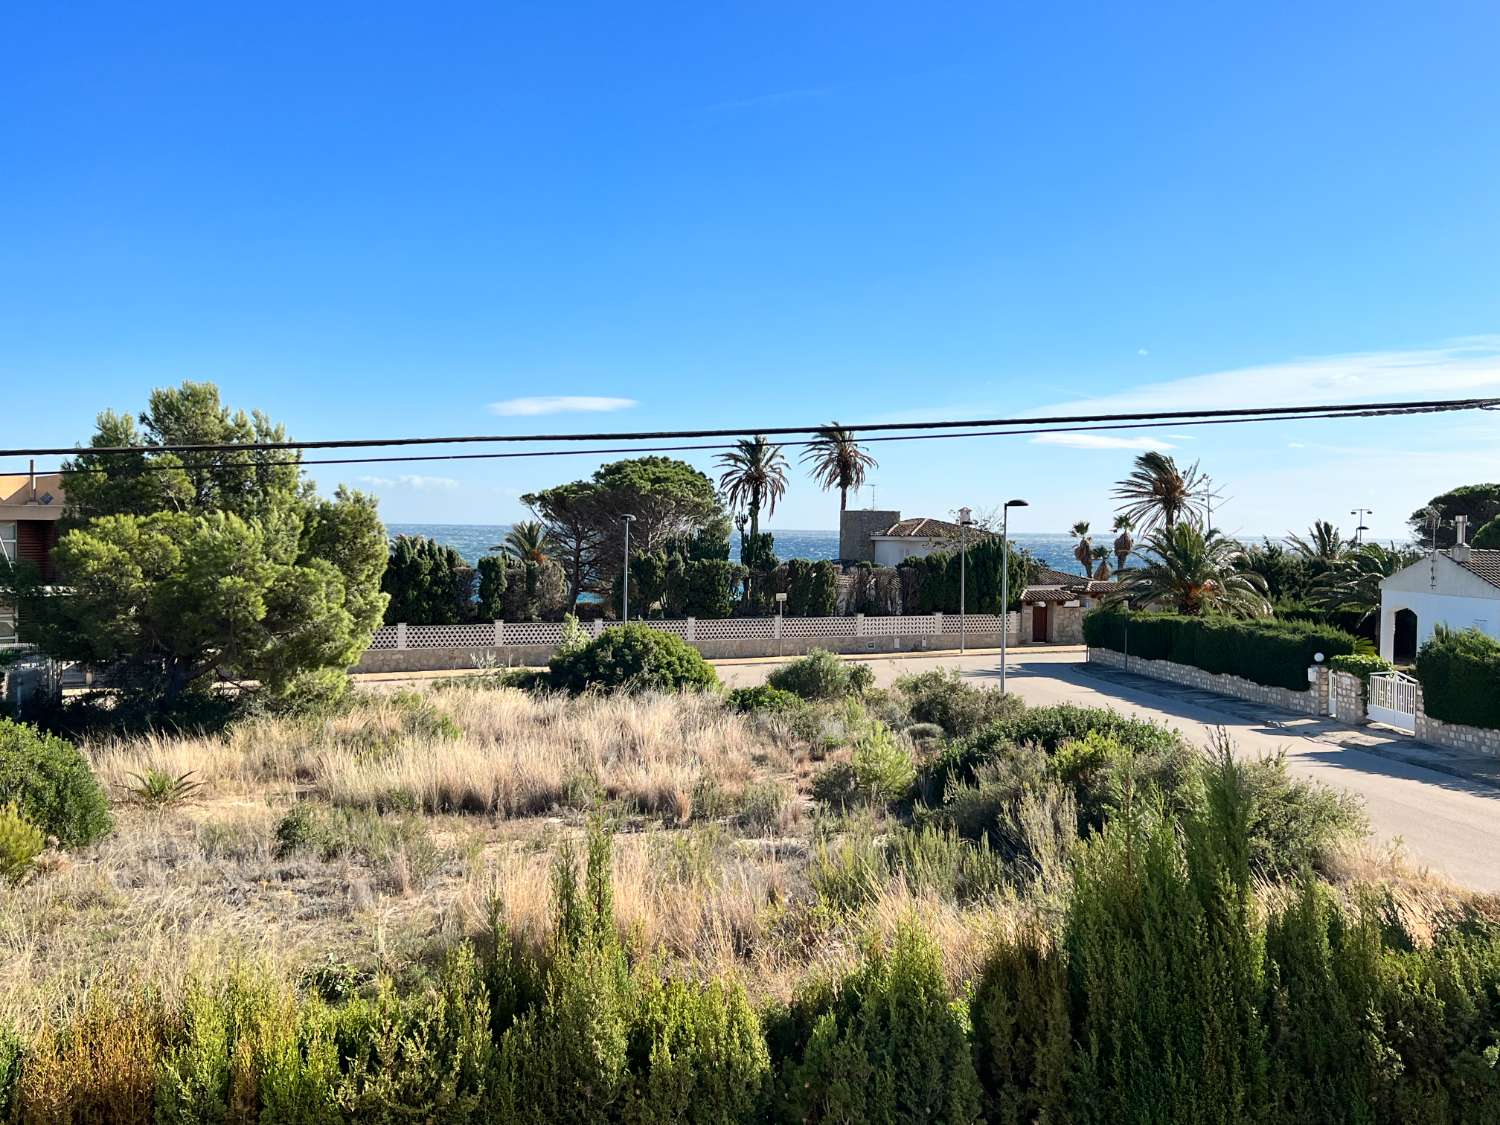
(159, 788)
(1190, 571)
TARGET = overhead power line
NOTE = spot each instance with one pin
(1174, 422)
(1425, 406)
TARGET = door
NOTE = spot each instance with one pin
(1039, 621)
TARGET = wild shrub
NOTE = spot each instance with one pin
(766, 807)
(1047, 728)
(12, 1053)
(99, 1064)
(879, 771)
(1294, 823)
(50, 784)
(886, 1044)
(328, 833)
(633, 658)
(942, 698)
(764, 697)
(1023, 1044)
(941, 862)
(215, 1059)
(20, 843)
(822, 675)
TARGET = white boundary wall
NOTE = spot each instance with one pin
(431, 647)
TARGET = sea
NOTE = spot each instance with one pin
(472, 540)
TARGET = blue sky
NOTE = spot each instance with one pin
(370, 219)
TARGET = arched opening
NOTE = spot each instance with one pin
(1404, 646)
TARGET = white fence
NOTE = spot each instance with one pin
(1393, 700)
(503, 634)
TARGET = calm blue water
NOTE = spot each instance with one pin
(472, 540)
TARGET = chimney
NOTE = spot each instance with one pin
(1460, 551)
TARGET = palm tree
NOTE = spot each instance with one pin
(527, 541)
(838, 461)
(1352, 583)
(1124, 542)
(1158, 492)
(1101, 563)
(754, 476)
(1084, 550)
(1187, 570)
(1323, 543)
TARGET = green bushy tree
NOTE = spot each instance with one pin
(176, 568)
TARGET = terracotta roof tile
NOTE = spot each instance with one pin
(1482, 564)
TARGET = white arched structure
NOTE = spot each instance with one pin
(1463, 594)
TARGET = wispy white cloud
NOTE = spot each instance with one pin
(1101, 441)
(1142, 351)
(410, 480)
(560, 404)
(1458, 368)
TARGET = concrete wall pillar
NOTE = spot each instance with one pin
(1388, 633)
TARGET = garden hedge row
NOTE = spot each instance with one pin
(1460, 676)
(1270, 652)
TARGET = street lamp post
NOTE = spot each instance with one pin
(965, 518)
(1360, 528)
(1005, 581)
(625, 574)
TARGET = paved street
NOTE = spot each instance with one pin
(1445, 822)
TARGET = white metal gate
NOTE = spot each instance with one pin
(1393, 700)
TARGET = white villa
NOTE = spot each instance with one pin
(885, 539)
(1459, 588)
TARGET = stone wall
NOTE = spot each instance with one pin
(856, 525)
(1064, 624)
(1347, 699)
(1455, 736)
(1314, 701)
(727, 648)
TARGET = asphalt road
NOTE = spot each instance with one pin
(1447, 823)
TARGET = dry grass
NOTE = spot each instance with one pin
(509, 753)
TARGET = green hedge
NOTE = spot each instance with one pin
(1460, 676)
(1275, 653)
(1362, 665)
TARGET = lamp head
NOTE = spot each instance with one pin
(1017, 504)
(965, 516)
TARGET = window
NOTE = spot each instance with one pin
(7, 626)
(8, 540)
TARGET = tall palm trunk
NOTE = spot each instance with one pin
(843, 497)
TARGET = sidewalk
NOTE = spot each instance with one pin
(1377, 739)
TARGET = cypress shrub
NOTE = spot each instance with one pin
(1023, 1043)
(1271, 652)
(1165, 967)
(1321, 980)
(885, 1045)
(1460, 676)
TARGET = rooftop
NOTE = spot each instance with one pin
(1481, 563)
(16, 497)
(923, 528)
